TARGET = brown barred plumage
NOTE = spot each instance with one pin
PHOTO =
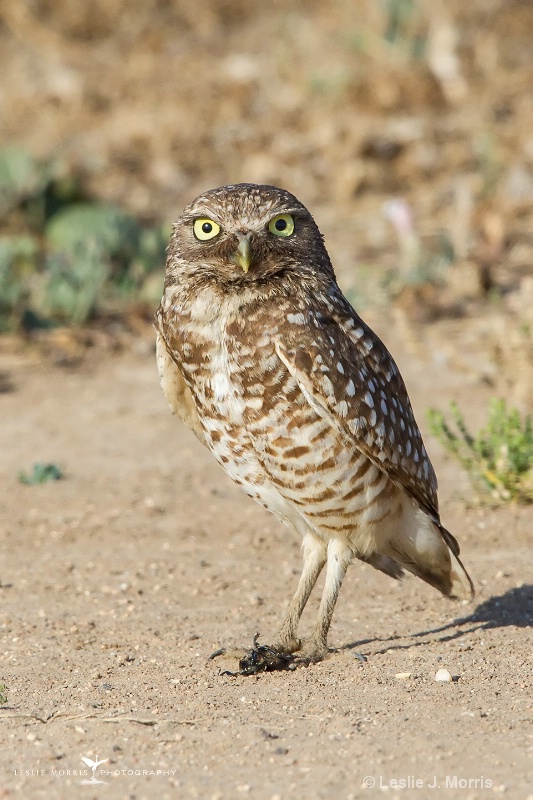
(263, 357)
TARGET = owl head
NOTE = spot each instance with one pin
(246, 233)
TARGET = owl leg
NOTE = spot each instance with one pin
(266, 658)
(315, 555)
(339, 556)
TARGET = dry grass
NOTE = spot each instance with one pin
(348, 105)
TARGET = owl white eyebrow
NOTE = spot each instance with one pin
(205, 215)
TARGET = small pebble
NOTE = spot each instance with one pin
(403, 675)
(443, 675)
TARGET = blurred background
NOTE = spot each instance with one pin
(406, 127)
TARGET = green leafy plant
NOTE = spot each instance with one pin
(21, 177)
(18, 257)
(41, 473)
(65, 257)
(499, 458)
(3, 694)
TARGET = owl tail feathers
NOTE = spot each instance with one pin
(462, 587)
(385, 564)
(429, 551)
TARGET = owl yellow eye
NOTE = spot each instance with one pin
(205, 229)
(281, 225)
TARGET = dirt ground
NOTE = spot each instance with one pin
(119, 581)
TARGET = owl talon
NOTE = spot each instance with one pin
(261, 658)
(310, 653)
(270, 658)
(306, 661)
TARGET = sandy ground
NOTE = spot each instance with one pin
(119, 581)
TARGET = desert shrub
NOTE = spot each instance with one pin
(499, 458)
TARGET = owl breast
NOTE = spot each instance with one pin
(262, 429)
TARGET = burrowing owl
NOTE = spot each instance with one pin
(263, 357)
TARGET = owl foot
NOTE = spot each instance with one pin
(261, 658)
(310, 652)
(270, 658)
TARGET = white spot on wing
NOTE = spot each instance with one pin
(342, 408)
(327, 386)
(369, 400)
(350, 388)
(296, 319)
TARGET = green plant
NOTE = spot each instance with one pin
(3, 694)
(402, 28)
(41, 473)
(65, 257)
(21, 177)
(403, 33)
(498, 458)
(18, 257)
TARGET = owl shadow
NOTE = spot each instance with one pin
(514, 607)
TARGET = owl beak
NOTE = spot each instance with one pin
(243, 254)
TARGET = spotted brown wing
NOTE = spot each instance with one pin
(348, 375)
